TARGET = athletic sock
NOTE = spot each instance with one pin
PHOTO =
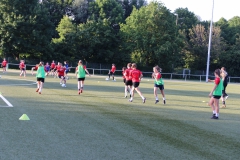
(217, 114)
(213, 112)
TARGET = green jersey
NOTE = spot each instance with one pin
(219, 88)
(40, 72)
(81, 71)
(158, 79)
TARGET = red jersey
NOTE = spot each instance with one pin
(53, 65)
(21, 65)
(113, 69)
(217, 80)
(36, 67)
(4, 63)
(61, 71)
(58, 67)
(158, 75)
(136, 75)
(127, 74)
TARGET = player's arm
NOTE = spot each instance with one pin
(87, 71)
(211, 93)
(76, 71)
(209, 80)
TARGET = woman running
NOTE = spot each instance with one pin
(80, 73)
(40, 77)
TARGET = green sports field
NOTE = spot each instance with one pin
(101, 124)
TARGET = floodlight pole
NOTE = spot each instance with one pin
(209, 45)
(176, 18)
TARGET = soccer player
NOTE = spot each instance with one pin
(61, 75)
(67, 68)
(225, 79)
(34, 68)
(128, 83)
(53, 65)
(4, 65)
(57, 67)
(80, 73)
(216, 94)
(47, 69)
(111, 72)
(124, 79)
(158, 84)
(22, 68)
(40, 77)
(136, 76)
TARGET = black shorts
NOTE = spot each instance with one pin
(22, 69)
(40, 79)
(129, 83)
(81, 79)
(136, 84)
(111, 73)
(3, 66)
(161, 87)
(61, 77)
(124, 80)
(216, 97)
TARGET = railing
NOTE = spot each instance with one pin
(170, 76)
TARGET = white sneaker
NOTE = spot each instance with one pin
(107, 79)
(114, 80)
(226, 97)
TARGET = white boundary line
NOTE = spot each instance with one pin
(6, 101)
(18, 84)
(34, 82)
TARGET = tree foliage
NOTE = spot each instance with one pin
(25, 28)
(151, 34)
(106, 9)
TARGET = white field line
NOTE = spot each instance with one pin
(6, 101)
(34, 82)
(18, 84)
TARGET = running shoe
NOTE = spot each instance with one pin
(144, 100)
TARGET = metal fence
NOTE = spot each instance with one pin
(170, 76)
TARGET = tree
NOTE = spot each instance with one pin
(197, 47)
(185, 19)
(56, 10)
(151, 35)
(230, 59)
(128, 5)
(80, 11)
(63, 46)
(106, 9)
(98, 42)
(24, 28)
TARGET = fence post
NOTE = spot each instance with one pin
(171, 77)
(229, 79)
(93, 71)
(185, 77)
(200, 78)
